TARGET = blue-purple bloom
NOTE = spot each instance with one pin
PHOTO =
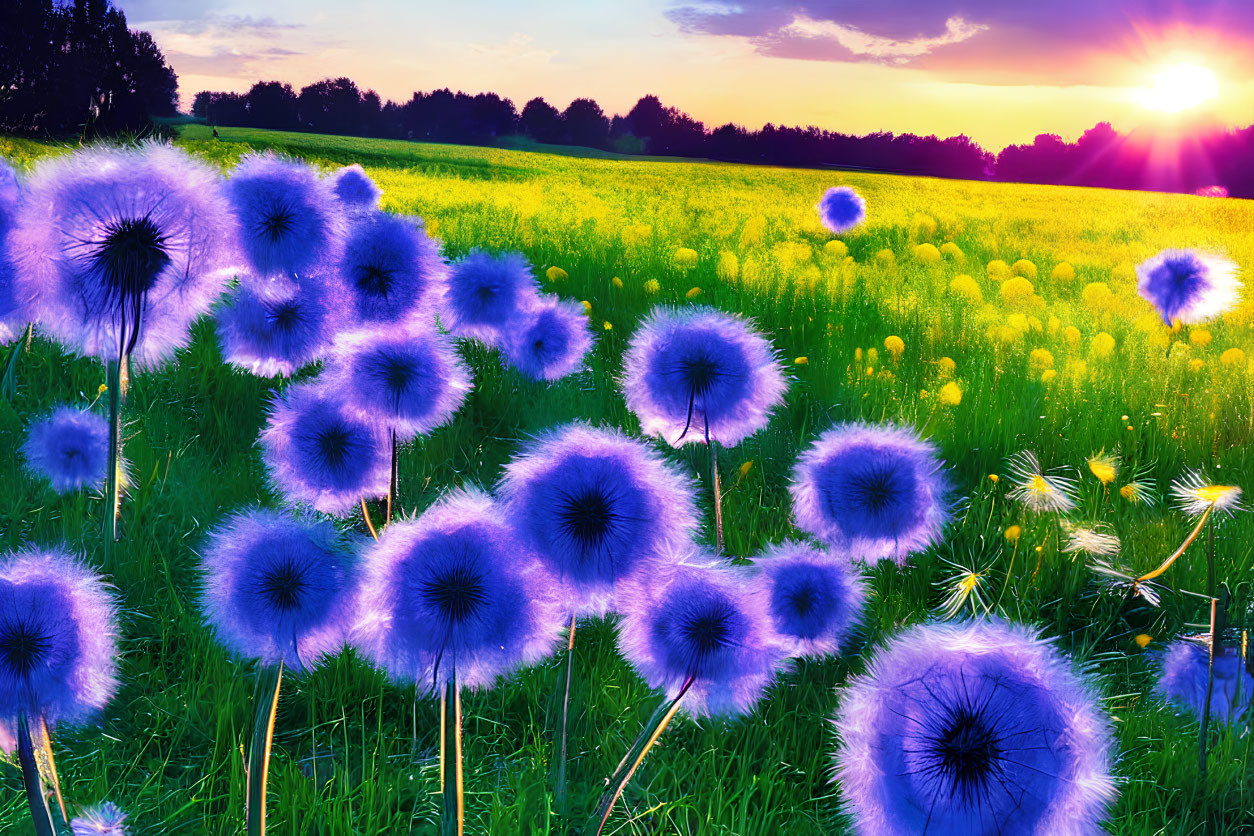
(320, 455)
(105, 819)
(702, 626)
(487, 294)
(697, 372)
(550, 341)
(391, 268)
(278, 588)
(1185, 674)
(69, 448)
(841, 209)
(597, 507)
(271, 329)
(290, 220)
(973, 728)
(874, 491)
(815, 598)
(407, 380)
(118, 251)
(11, 314)
(355, 189)
(454, 595)
(1188, 286)
(58, 638)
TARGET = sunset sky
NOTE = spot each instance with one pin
(998, 71)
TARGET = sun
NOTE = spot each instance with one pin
(1180, 87)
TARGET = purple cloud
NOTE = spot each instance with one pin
(1061, 42)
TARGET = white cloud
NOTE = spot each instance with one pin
(865, 45)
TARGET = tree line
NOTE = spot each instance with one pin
(77, 68)
(1209, 161)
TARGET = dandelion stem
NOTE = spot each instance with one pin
(365, 515)
(452, 821)
(609, 799)
(716, 487)
(1204, 725)
(391, 483)
(1215, 627)
(268, 681)
(559, 794)
(1188, 541)
(113, 382)
(35, 796)
(48, 769)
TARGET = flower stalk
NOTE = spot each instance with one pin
(269, 680)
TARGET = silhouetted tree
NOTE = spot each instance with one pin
(541, 121)
(77, 67)
(585, 124)
(271, 104)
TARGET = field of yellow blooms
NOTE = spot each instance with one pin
(994, 318)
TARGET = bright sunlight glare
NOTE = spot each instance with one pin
(1180, 87)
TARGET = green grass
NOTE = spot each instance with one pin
(346, 757)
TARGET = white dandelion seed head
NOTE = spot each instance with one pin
(1194, 495)
(1040, 493)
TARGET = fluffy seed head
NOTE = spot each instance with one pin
(695, 370)
(978, 728)
(120, 250)
(597, 507)
(1194, 494)
(69, 448)
(58, 638)
(105, 819)
(278, 588)
(1188, 286)
(403, 379)
(320, 455)
(454, 593)
(354, 188)
(1185, 676)
(391, 269)
(874, 491)
(12, 316)
(551, 340)
(701, 623)
(290, 220)
(841, 209)
(1039, 492)
(814, 598)
(487, 294)
(275, 329)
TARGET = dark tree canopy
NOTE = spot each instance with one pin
(77, 68)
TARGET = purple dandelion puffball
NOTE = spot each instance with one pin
(120, 250)
(69, 448)
(455, 595)
(815, 598)
(278, 588)
(354, 188)
(1184, 680)
(320, 455)
(11, 314)
(391, 269)
(487, 294)
(58, 638)
(1188, 286)
(550, 341)
(703, 625)
(874, 491)
(597, 507)
(841, 209)
(105, 819)
(290, 220)
(978, 728)
(273, 329)
(407, 380)
(694, 373)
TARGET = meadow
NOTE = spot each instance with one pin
(1044, 345)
